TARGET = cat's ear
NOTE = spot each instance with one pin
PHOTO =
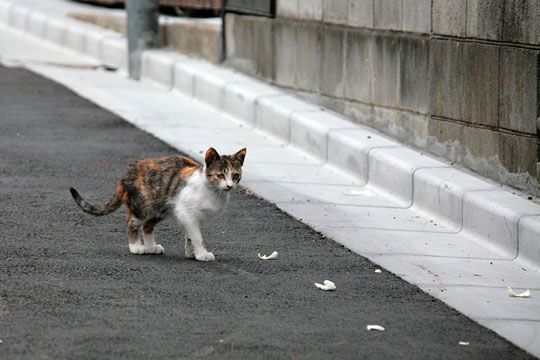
(240, 155)
(211, 156)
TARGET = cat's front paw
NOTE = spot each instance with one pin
(156, 249)
(137, 249)
(205, 256)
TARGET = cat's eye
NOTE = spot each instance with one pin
(236, 177)
(221, 176)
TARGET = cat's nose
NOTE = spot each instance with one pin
(229, 187)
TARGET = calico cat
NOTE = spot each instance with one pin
(153, 189)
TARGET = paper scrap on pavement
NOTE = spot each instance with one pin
(365, 192)
(378, 271)
(375, 327)
(327, 285)
(464, 343)
(524, 294)
(268, 257)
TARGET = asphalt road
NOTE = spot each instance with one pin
(70, 289)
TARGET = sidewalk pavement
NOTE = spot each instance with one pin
(458, 237)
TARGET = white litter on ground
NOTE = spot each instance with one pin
(268, 257)
(524, 294)
(375, 327)
(378, 271)
(464, 343)
(328, 285)
(365, 192)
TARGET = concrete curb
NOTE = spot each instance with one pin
(505, 223)
(107, 46)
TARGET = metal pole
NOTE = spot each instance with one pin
(143, 32)
(223, 45)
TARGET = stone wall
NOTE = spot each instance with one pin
(457, 78)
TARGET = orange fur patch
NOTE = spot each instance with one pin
(121, 193)
(190, 167)
(143, 167)
(186, 172)
(129, 217)
(148, 228)
(139, 184)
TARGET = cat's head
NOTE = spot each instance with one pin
(224, 171)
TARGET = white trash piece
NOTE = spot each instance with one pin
(327, 285)
(464, 343)
(268, 257)
(375, 327)
(378, 271)
(524, 294)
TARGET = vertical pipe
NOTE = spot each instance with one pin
(143, 32)
(223, 45)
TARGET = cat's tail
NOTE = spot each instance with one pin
(111, 205)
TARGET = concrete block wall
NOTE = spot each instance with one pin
(460, 79)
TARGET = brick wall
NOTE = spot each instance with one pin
(457, 78)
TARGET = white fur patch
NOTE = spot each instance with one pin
(146, 248)
(197, 203)
(156, 249)
(150, 246)
(206, 256)
(137, 249)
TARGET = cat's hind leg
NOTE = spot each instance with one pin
(134, 235)
(150, 246)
